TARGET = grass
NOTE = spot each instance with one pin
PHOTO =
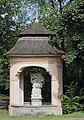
(5, 116)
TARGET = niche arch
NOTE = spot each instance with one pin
(16, 80)
(27, 86)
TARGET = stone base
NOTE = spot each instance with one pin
(36, 101)
(34, 111)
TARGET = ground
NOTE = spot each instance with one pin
(74, 116)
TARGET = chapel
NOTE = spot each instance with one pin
(35, 73)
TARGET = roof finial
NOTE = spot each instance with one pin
(37, 9)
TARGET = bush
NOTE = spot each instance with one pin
(71, 101)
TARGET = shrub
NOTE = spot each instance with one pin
(71, 101)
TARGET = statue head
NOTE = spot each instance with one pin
(37, 78)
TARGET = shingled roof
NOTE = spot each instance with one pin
(36, 29)
(34, 44)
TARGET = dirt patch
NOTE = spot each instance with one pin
(74, 119)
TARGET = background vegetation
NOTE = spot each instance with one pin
(63, 17)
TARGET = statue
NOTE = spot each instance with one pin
(37, 81)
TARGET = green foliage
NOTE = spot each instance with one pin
(71, 101)
(71, 105)
(72, 21)
(69, 28)
(4, 78)
(3, 96)
(8, 33)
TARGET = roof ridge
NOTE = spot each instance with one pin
(35, 29)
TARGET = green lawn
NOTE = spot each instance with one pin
(5, 116)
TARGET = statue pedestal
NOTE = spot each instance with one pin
(36, 97)
(36, 101)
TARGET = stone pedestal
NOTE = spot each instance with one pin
(36, 98)
(36, 101)
(23, 111)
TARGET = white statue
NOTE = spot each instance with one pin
(37, 81)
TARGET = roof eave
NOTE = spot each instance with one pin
(42, 55)
(26, 35)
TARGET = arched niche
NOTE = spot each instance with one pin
(18, 68)
(27, 86)
(16, 81)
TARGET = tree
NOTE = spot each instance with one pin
(8, 33)
(68, 26)
(72, 21)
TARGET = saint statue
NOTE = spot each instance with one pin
(37, 81)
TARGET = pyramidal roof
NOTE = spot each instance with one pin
(36, 29)
(34, 41)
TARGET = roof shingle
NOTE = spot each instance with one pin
(35, 29)
(34, 41)
(33, 46)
